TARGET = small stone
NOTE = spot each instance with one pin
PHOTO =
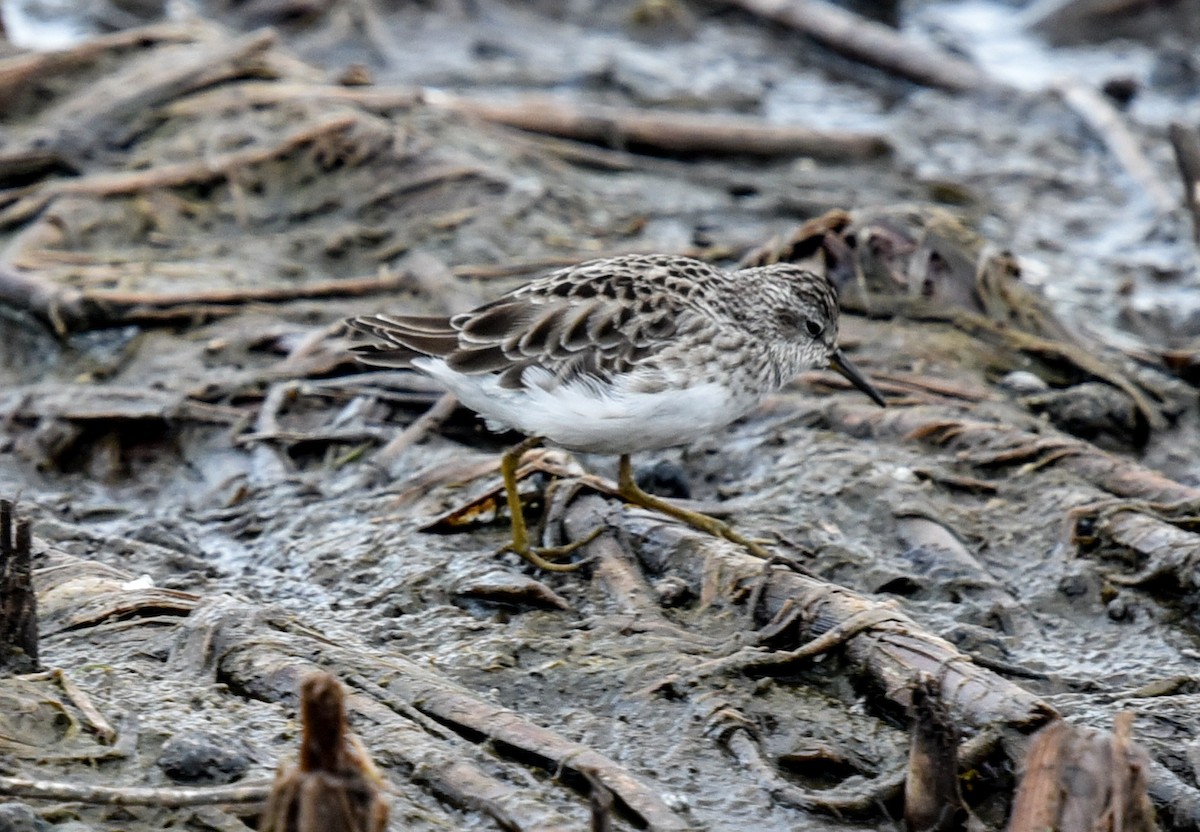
(672, 591)
(143, 582)
(204, 758)
(17, 817)
(665, 479)
(356, 75)
(1023, 383)
(505, 587)
(1121, 90)
(1073, 586)
(1118, 609)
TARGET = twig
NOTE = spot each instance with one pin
(169, 176)
(65, 309)
(101, 726)
(265, 93)
(267, 420)
(662, 129)
(16, 72)
(269, 464)
(1107, 123)
(1186, 142)
(166, 798)
(354, 287)
(859, 802)
(872, 43)
(602, 803)
(347, 436)
(425, 424)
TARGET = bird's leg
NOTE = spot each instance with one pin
(541, 558)
(628, 488)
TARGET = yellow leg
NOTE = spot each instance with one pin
(539, 557)
(630, 491)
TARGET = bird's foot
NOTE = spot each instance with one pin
(545, 557)
(756, 546)
(630, 491)
(719, 528)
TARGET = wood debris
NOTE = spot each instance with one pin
(1080, 778)
(334, 785)
(18, 603)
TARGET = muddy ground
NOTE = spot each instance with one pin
(220, 503)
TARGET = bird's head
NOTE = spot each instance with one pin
(801, 312)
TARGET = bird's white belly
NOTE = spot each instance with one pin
(589, 417)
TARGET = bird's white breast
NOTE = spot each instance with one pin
(591, 416)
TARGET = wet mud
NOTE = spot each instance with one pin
(223, 502)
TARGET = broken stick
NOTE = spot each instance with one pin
(1186, 142)
(872, 43)
(18, 604)
(335, 784)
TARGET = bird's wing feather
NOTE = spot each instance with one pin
(597, 320)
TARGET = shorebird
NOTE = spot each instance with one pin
(621, 355)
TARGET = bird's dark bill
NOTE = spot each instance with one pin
(839, 362)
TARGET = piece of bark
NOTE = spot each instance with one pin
(1082, 780)
(1160, 541)
(18, 603)
(932, 802)
(335, 786)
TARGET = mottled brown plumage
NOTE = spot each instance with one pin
(637, 324)
(626, 353)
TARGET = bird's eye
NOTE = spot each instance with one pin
(814, 327)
